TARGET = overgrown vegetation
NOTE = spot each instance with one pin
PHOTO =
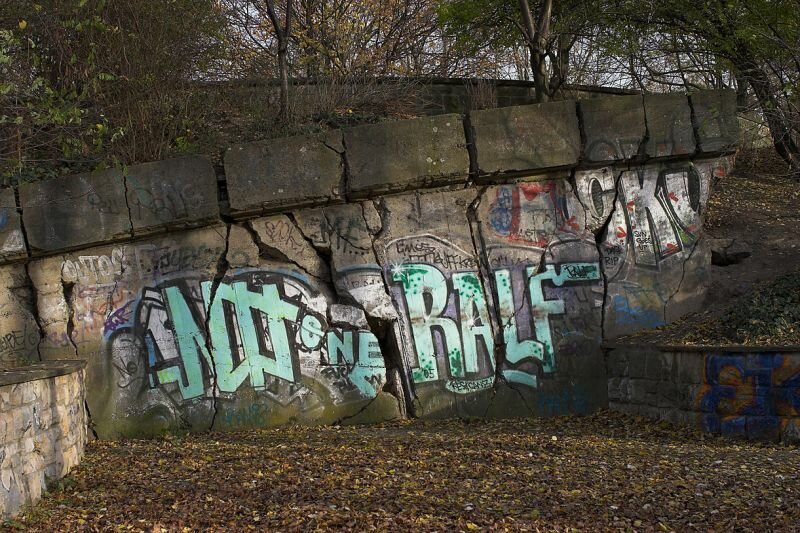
(86, 84)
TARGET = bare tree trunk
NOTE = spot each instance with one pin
(536, 37)
(282, 34)
(561, 63)
(780, 127)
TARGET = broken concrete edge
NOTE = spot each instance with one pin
(46, 369)
(348, 142)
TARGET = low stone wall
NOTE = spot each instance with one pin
(752, 393)
(42, 429)
(443, 266)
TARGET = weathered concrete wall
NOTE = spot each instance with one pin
(754, 394)
(446, 266)
(42, 429)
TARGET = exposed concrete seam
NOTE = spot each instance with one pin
(683, 275)
(695, 128)
(276, 253)
(472, 148)
(35, 311)
(89, 423)
(127, 202)
(484, 271)
(581, 133)
(67, 289)
(22, 228)
(407, 383)
(221, 271)
(599, 237)
(385, 329)
(345, 181)
(641, 152)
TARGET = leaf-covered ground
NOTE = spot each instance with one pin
(602, 472)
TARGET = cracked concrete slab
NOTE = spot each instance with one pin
(172, 194)
(19, 329)
(343, 232)
(197, 329)
(75, 211)
(545, 275)
(284, 173)
(653, 232)
(280, 234)
(430, 264)
(613, 128)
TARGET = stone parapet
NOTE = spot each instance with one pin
(43, 429)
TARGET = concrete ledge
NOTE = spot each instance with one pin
(284, 173)
(396, 156)
(175, 193)
(75, 211)
(613, 128)
(526, 138)
(669, 125)
(48, 369)
(715, 120)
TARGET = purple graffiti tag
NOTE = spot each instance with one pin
(118, 318)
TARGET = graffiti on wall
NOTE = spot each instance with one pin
(543, 265)
(444, 302)
(268, 334)
(749, 393)
(654, 222)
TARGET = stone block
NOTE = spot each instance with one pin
(282, 173)
(763, 428)
(669, 125)
(617, 362)
(613, 128)
(639, 391)
(175, 193)
(526, 138)
(690, 367)
(75, 211)
(637, 364)
(614, 388)
(12, 243)
(668, 394)
(658, 365)
(280, 235)
(715, 120)
(401, 155)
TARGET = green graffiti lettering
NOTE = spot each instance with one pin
(418, 281)
(191, 343)
(474, 318)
